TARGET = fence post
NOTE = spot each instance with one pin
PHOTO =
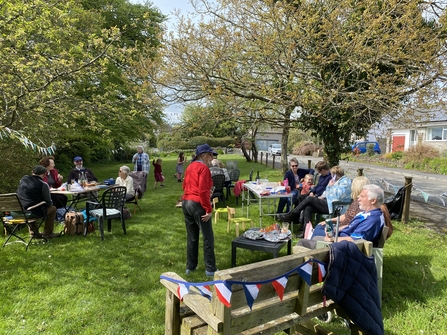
(309, 164)
(407, 199)
(360, 172)
(262, 154)
(273, 161)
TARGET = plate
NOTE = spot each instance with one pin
(274, 236)
(253, 234)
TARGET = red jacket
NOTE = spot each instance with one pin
(197, 185)
(54, 173)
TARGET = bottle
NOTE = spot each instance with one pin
(258, 179)
(329, 228)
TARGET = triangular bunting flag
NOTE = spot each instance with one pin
(305, 271)
(280, 285)
(251, 293)
(321, 272)
(425, 195)
(396, 189)
(182, 289)
(223, 291)
(205, 290)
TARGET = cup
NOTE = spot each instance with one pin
(288, 190)
(285, 227)
(73, 181)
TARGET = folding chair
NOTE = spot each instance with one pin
(110, 207)
(138, 185)
(10, 206)
(234, 177)
(219, 183)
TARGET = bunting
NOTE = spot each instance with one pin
(223, 291)
(205, 291)
(182, 289)
(306, 272)
(280, 285)
(251, 293)
(321, 272)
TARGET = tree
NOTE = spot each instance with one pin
(69, 73)
(333, 67)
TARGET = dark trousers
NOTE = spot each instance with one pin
(194, 225)
(285, 202)
(308, 206)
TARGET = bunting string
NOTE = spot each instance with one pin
(251, 289)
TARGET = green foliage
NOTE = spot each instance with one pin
(370, 149)
(397, 155)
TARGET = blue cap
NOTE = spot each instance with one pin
(77, 158)
(204, 148)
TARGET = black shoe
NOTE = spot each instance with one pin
(287, 217)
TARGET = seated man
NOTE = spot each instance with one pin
(76, 173)
(31, 191)
(366, 225)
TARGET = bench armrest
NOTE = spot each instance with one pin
(42, 203)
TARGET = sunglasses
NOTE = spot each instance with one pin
(294, 165)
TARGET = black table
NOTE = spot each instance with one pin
(258, 245)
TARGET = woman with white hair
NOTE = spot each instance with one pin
(125, 180)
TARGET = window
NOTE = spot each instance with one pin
(437, 134)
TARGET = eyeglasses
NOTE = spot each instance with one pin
(294, 165)
(77, 161)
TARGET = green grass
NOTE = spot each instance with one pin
(77, 285)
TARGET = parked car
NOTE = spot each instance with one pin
(364, 144)
(275, 149)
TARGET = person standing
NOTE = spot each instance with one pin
(158, 172)
(33, 190)
(54, 180)
(179, 166)
(141, 163)
(197, 210)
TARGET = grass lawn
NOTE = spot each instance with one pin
(77, 285)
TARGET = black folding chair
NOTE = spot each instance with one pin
(219, 184)
(11, 206)
(110, 207)
(234, 177)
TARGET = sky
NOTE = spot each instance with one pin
(166, 7)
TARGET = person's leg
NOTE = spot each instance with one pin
(281, 204)
(208, 245)
(294, 215)
(315, 205)
(49, 221)
(193, 231)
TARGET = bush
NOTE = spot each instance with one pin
(419, 152)
(305, 148)
(370, 149)
(397, 155)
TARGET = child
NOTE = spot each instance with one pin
(307, 183)
(158, 175)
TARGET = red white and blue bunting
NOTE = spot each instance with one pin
(251, 289)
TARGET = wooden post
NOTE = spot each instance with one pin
(407, 199)
(262, 155)
(309, 164)
(360, 172)
(273, 162)
(266, 157)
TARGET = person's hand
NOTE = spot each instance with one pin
(206, 217)
(328, 239)
(311, 194)
(322, 223)
(60, 177)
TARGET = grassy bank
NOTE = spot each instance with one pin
(77, 285)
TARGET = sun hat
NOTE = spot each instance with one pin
(77, 158)
(204, 148)
(39, 169)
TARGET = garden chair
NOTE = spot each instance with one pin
(219, 184)
(236, 220)
(138, 185)
(109, 207)
(14, 217)
(234, 177)
(217, 211)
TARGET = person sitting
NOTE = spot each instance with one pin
(79, 169)
(293, 177)
(54, 180)
(125, 180)
(225, 172)
(367, 224)
(215, 169)
(356, 188)
(33, 190)
(321, 181)
(306, 183)
(338, 189)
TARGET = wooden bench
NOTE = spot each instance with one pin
(293, 314)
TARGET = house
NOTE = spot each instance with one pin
(432, 131)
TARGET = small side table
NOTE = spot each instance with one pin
(258, 245)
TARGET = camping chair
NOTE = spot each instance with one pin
(10, 206)
(236, 220)
(110, 207)
(219, 183)
(217, 211)
(138, 185)
(234, 177)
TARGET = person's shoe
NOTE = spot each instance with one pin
(188, 271)
(52, 235)
(210, 273)
(179, 180)
(38, 236)
(162, 185)
(287, 217)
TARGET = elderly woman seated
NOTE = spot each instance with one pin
(125, 180)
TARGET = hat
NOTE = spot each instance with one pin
(39, 169)
(204, 148)
(77, 158)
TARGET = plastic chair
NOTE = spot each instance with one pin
(234, 177)
(110, 207)
(217, 211)
(138, 185)
(236, 220)
(219, 183)
(11, 206)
